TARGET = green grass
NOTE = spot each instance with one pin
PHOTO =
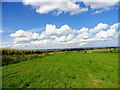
(64, 70)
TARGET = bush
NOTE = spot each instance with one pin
(10, 56)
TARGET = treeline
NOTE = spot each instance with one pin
(11, 56)
(22, 52)
(87, 48)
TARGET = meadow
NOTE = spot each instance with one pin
(91, 69)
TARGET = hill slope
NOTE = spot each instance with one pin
(68, 70)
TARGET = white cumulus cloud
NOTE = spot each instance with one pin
(63, 37)
(46, 6)
(52, 30)
(115, 26)
(100, 26)
(24, 36)
(70, 6)
(100, 5)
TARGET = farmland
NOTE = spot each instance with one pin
(78, 69)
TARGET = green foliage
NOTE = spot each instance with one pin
(64, 70)
(10, 56)
(112, 50)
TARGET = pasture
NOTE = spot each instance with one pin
(64, 70)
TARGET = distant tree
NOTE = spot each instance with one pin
(12, 52)
(110, 51)
(3, 52)
(38, 52)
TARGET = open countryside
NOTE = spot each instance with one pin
(63, 69)
(59, 44)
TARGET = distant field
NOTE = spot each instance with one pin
(64, 70)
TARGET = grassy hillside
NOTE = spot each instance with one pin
(64, 70)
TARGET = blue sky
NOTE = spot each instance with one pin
(19, 16)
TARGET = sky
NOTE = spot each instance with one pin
(49, 24)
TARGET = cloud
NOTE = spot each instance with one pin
(46, 6)
(70, 6)
(1, 31)
(64, 37)
(105, 35)
(51, 30)
(115, 26)
(100, 26)
(83, 33)
(100, 11)
(81, 44)
(24, 36)
(100, 5)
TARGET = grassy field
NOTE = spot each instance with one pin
(64, 70)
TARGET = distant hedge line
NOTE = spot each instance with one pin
(10, 56)
(23, 52)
